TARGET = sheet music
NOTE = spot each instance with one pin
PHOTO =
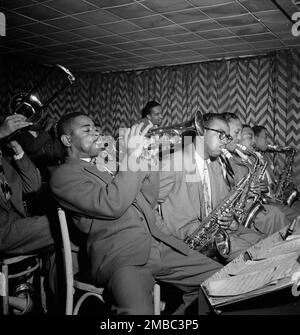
(255, 275)
(237, 285)
(253, 266)
(280, 248)
(282, 260)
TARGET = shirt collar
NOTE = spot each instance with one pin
(86, 159)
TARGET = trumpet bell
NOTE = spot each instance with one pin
(171, 138)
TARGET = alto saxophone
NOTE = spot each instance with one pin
(285, 191)
(259, 199)
(209, 232)
(246, 216)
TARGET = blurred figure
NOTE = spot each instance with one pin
(273, 172)
(42, 146)
(46, 152)
(248, 139)
(151, 114)
(260, 137)
(20, 233)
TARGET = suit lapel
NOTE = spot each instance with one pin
(90, 168)
(3, 203)
(103, 175)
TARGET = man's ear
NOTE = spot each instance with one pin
(66, 140)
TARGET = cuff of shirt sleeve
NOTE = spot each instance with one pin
(19, 156)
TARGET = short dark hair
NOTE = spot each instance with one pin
(209, 117)
(148, 108)
(64, 124)
(246, 126)
(258, 129)
(229, 116)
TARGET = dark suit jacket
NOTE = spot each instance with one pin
(105, 208)
(22, 177)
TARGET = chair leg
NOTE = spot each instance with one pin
(4, 270)
(43, 294)
(156, 297)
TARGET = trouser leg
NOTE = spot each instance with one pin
(26, 235)
(130, 289)
(242, 239)
(187, 273)
(270, 220)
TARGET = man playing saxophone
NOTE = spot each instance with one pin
(264, 218)
(195, 187)
(274, 177)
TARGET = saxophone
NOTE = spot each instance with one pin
(241, 214)
(285, 191)
(209, 234)
(259, 199)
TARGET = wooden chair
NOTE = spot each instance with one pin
(90, 290)
(27, 266)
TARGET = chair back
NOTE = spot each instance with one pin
(68, 262)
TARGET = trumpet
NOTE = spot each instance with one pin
(158, 140)
(166, 138)
(195, 124)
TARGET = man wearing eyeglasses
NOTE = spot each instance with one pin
(189, 194)
(269, 218)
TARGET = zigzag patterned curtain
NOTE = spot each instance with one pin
(260, 90)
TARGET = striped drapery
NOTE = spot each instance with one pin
(260, 90)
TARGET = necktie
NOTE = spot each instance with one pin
(5, 190)
(227, 171)
(206, 181)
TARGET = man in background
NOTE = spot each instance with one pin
(20, 233)
(152, 114)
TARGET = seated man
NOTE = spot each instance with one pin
(187, 197)
(151, 114)
(116, 211)
(269, 218)
(45, 150)
(261, 142)
(20, 234)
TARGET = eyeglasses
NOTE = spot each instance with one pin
(222, 135)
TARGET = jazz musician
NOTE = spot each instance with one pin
(127, 251)
(190, 194)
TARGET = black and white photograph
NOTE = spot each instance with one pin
(149, 161)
